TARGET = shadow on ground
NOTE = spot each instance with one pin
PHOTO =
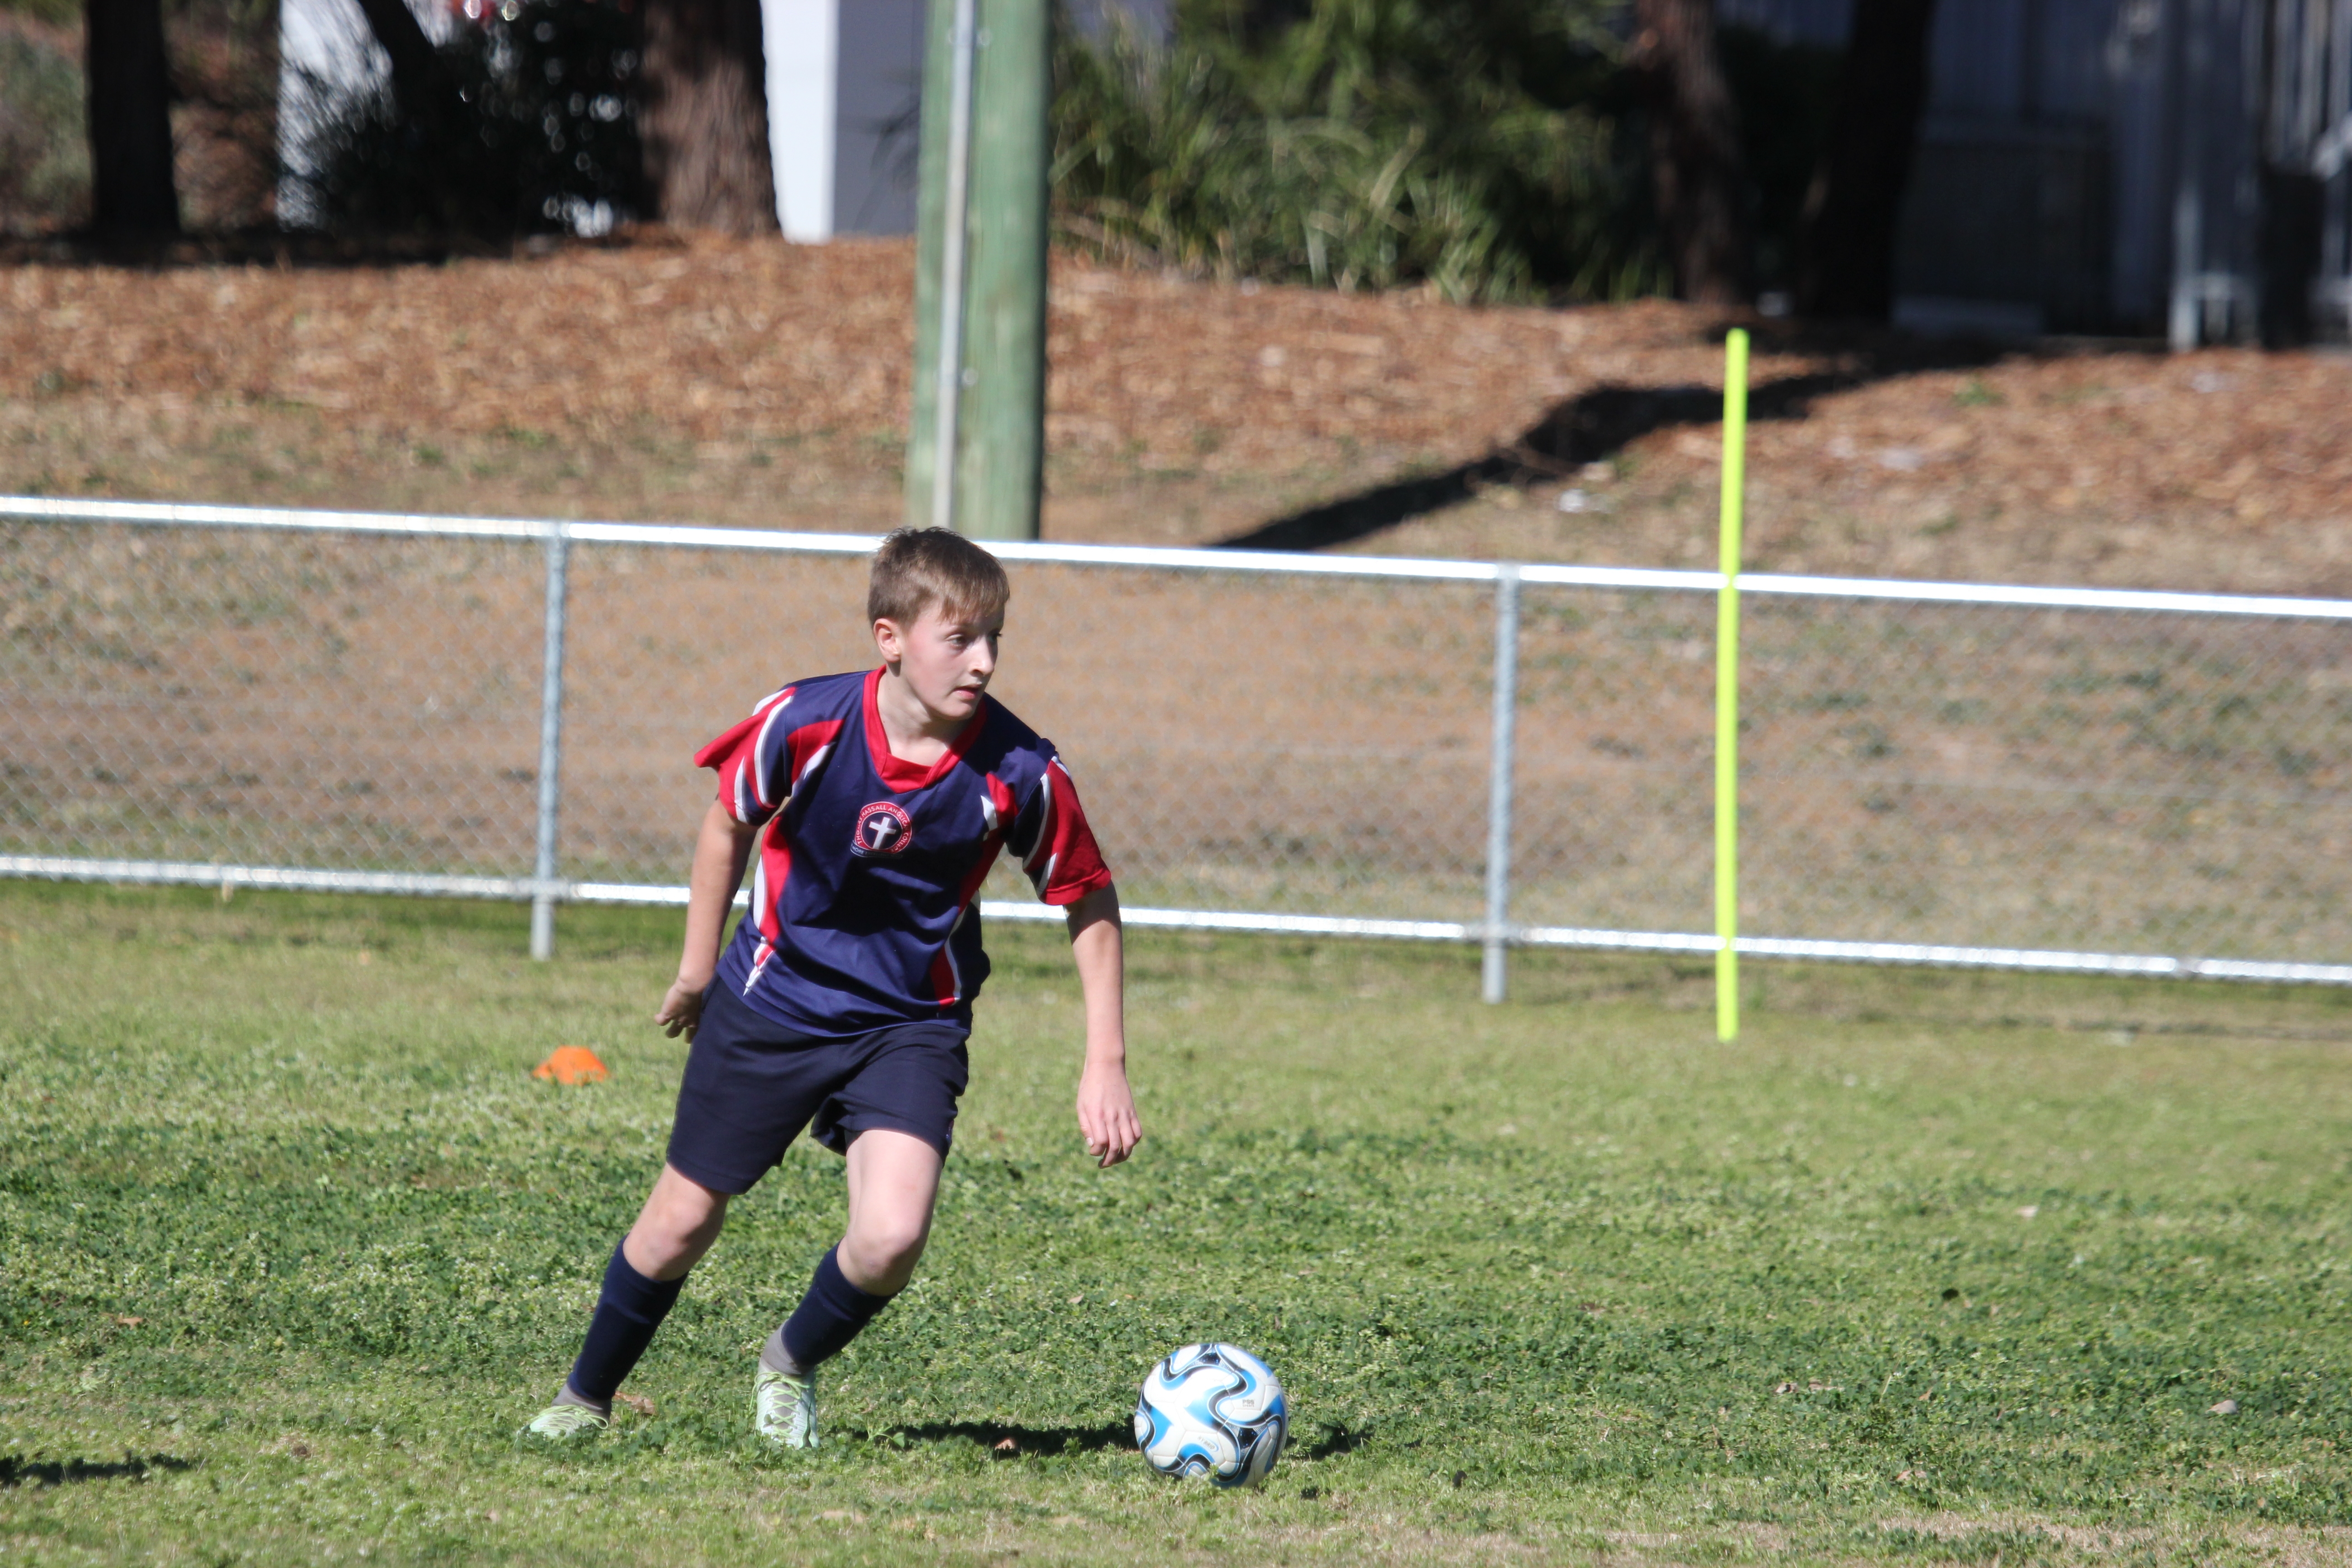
(1337, 1439)
(1010, 1441)
(288, 250)
(16, 1472)
(1596, 425)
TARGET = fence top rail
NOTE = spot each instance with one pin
(169, 514)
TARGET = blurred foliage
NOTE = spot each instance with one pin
(535, 133)
(44, 144)
(56, 13)
(1490, 149)
(1477, 146)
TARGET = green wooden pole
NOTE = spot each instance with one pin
(999, 463)
(1726, 690)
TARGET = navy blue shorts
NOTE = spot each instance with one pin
(751, 1085)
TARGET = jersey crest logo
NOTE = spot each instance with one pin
(883, 828)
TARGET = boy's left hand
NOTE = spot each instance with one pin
(681, 1009)
(1106, 1113)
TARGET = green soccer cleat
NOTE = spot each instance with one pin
(784, 1408)
(563, 1423)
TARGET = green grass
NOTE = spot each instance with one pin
(290, 1242)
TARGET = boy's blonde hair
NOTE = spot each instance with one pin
(917, 568)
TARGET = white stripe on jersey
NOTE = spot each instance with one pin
(1045, 822)
(760, 753)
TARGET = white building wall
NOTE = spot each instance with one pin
(877, 120)
(802, 40)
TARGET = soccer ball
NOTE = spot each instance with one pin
(1214, 1411)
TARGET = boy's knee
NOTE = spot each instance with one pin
(698, 1231)
(663, 1252)
(883, 1251)
(677, 1226)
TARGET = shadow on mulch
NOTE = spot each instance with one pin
(1596, 425)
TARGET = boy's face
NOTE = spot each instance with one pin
(945, 661)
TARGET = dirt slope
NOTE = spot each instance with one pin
(762, 382)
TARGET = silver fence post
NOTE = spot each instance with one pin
(544, 888)
(1495, 977)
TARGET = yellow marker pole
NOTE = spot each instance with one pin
(1726, 690)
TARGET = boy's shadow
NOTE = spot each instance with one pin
(19, 1472)
(1009, 1442)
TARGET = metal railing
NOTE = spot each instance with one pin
(2132, 783)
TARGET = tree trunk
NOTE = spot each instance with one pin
(1847, 252)
(416, 84)
(130, 119)
(1694, 149)
(703, 117)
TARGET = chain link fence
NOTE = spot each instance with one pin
(2159, 784)
(2104, 780)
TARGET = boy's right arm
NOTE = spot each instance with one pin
(721, 852)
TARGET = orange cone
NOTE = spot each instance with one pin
(572, 1065)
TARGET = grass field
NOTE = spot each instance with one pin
(1926, 1269)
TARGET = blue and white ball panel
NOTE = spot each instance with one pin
(1212, 1410)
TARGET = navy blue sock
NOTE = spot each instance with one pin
(628, 1311)
(829, 1316)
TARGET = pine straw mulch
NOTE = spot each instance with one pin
(764, 382)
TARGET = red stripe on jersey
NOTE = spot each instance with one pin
(805, 744)
(1001, 801)
(730, 740)
(735, 753)
(1065, 864)
(748, 786)
(768, 895)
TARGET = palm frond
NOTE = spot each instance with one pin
(1463, 144)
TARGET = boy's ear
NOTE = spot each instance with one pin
(888, 638)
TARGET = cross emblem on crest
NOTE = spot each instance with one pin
(883, 828)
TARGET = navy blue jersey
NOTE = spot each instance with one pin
(866, 867)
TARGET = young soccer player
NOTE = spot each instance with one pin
(876, 803)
